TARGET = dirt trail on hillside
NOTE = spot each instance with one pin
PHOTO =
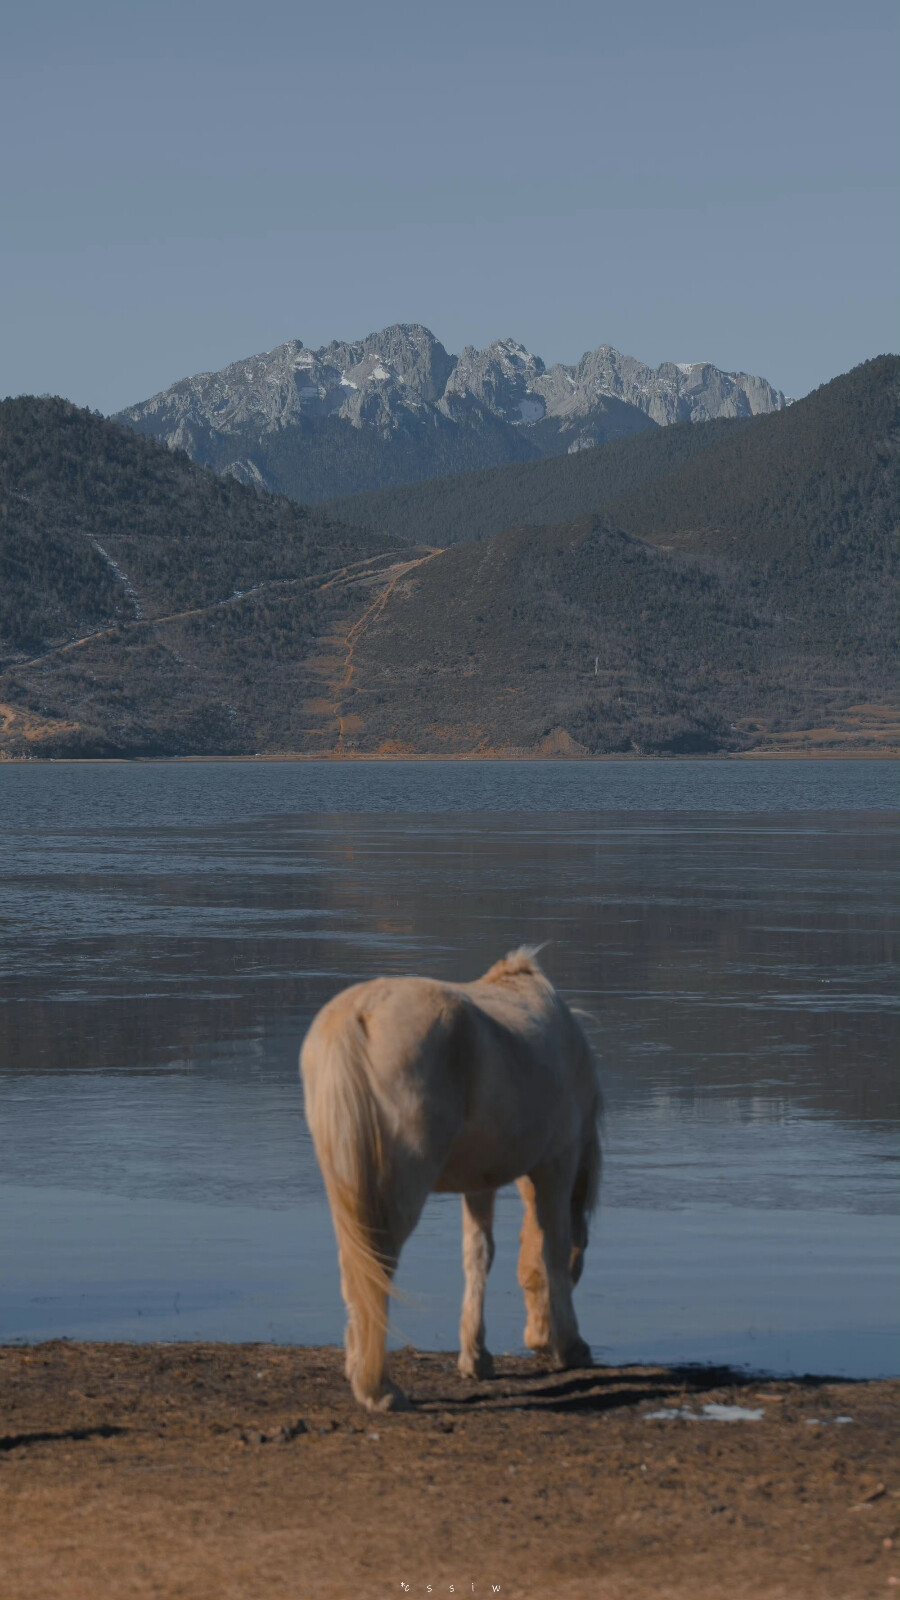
(246, 1472)
(348, 575)
(361, 627)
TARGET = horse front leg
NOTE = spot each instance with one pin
(552, 1216)
(475, 1360)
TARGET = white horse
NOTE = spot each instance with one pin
(413, 1086)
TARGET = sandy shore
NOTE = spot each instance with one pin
(245, 1472)
(814, 753)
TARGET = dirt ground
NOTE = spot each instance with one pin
(246, 1472)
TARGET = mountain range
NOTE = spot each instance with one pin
(397, 408)
(727, 586)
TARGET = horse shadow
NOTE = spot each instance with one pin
(600, 1389)
(19, 1441)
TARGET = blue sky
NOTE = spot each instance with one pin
(188, 183)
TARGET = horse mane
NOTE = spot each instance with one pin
(518, 963)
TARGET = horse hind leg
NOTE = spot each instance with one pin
(579, 1244)
(351, 1335)
(475, 1360)
(365, 1295)
(366, 1277)
(553, 1193)
(533, 1273)
(584, 1198)
(368, 1252)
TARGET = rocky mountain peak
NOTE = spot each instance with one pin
(428, 408)
(672, 392)
(501, 379)
(405, 354)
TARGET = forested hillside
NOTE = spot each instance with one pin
(821, 476)
(147, 605)
(752, 587)
(580, 638)
(473, 505)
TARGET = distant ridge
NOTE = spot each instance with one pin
(474, 505)
(397, 408)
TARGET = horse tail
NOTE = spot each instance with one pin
(345, 1121)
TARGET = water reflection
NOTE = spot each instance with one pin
(753, 959)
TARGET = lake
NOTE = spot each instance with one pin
(167, 931)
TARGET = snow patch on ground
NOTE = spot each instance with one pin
(245, 471)
(712, 1412)
(121, 576)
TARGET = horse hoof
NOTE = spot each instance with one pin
(577, 1355)
(391, 1399)
(478, 1365)
(537, 1343)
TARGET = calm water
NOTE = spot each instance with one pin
(167, 932)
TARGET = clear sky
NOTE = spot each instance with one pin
(186, 182)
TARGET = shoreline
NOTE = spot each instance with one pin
(399, 759)
(242, 1472)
